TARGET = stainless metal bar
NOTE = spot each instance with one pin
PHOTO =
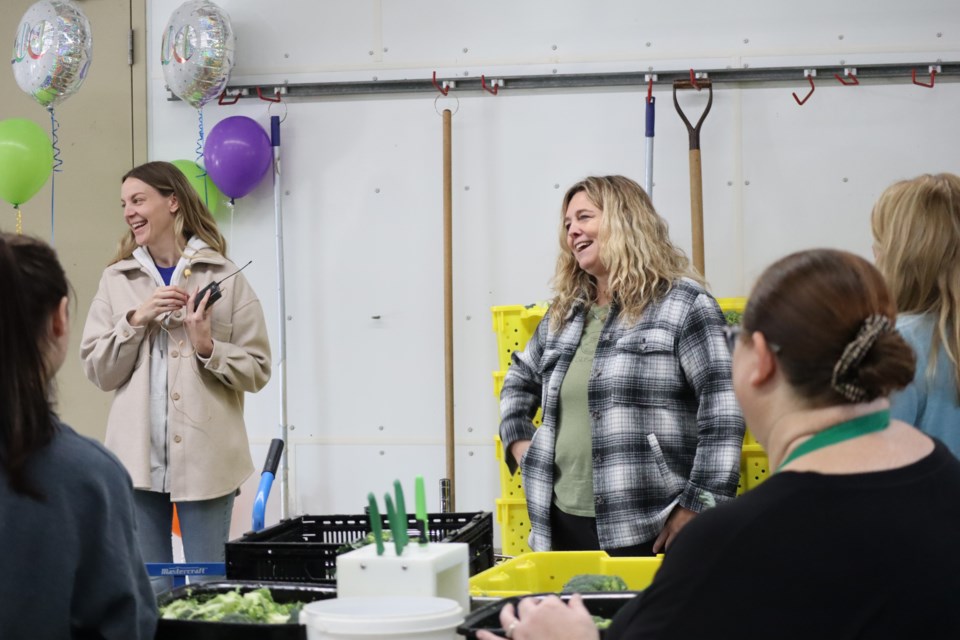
(886, 73)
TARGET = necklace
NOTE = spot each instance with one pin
(599, 312)
(848, 430)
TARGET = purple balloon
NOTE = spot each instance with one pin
(237, 155)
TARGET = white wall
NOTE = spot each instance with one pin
(363, 203)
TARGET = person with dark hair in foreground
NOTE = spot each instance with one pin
(72, 565)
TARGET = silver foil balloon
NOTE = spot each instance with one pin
(197, 51)
(52, 51)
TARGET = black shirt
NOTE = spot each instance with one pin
(814, 556)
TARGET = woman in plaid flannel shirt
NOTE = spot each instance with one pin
(640, 426)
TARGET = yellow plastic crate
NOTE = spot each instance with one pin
(732, 304)
(546, 571)
(754, 466)
(514, 324)
(511, 485)
(514, 526)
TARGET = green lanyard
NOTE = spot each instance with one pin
(840, 432)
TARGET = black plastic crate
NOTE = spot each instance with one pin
(487, 618)
(194, 630)
(305, 549)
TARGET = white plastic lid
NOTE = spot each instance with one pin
(382, 615)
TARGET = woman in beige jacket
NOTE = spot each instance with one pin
(178, 364)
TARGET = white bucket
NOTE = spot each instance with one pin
(424, 618)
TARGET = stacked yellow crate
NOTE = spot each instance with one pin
(514, 324)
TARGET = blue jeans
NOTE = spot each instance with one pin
(204, 529)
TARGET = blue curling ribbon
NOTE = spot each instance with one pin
(57, 163)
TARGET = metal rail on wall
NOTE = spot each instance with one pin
(923, 74)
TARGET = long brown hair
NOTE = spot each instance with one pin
(810, 305)
(635, 248)
(32, 287)
(916, 227)
(193, 218)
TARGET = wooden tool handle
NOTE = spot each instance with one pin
(696, 210)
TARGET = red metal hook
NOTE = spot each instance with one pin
(933, 77)
(853, 78)
(807, 97)
(222, 99)
(693, 80)
(276, 94)
(483, 84)
(442, 90)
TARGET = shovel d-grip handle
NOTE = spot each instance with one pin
(693, 131)
(696, 177)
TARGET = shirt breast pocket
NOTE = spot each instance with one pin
(645, 369)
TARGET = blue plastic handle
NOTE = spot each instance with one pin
(651, 112)
(275, 131)
(260, 504)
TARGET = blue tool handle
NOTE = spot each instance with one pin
(275, 131)
(273, 456)
(260, 503)
(651, 113)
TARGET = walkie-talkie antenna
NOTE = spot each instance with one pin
(214, 289)
(237, 271)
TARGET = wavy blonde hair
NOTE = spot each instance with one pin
(193, 218)
(916, 227)
(635, 248)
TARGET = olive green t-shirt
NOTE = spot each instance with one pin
(573, 459)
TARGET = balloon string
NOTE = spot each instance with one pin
(16, 208)
(206, 196)
(57, 163)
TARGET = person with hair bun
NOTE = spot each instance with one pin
(178, 364)
(916, 230)
(640, 429)
(72, 567)
(854, 535)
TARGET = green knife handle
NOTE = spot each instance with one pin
(420, 495)
(376, 525)
(395, 524)
(401, 512)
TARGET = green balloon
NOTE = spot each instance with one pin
(26, 159)
(208, 192)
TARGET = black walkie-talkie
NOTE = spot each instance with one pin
(214, 289)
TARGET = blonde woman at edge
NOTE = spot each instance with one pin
(916, 229)
(641, 430)
(178, 367)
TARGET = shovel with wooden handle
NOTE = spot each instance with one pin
(696, 178)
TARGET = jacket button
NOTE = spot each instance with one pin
(596, 459)
(598, 500)
(175, 395)
(177, 438)
(174, 354)
(126, 334)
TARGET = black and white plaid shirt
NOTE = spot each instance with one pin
(666, 427)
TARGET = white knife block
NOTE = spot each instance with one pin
(437, 569)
